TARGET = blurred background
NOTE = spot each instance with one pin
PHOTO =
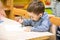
(11, 6)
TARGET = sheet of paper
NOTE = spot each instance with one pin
(11, 25)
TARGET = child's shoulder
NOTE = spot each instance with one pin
(45, 16)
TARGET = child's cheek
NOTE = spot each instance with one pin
(35, 19)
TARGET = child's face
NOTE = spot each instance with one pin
(35, 17)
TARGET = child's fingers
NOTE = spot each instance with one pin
(20, 21)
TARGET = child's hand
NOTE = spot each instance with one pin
(27, 29)
(19, 19)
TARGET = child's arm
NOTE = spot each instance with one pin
(27, 22)
(45, 25)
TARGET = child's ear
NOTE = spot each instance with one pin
(40, 15)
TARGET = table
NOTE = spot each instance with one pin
(26, 35)
(11, 30)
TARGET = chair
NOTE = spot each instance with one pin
(18, 12)
(53, 30)
(55, 22)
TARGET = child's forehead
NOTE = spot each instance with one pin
(31, 13)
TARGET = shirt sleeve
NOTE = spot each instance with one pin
(45, 25)
(27, 22)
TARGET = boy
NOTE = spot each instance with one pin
(39, 19)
